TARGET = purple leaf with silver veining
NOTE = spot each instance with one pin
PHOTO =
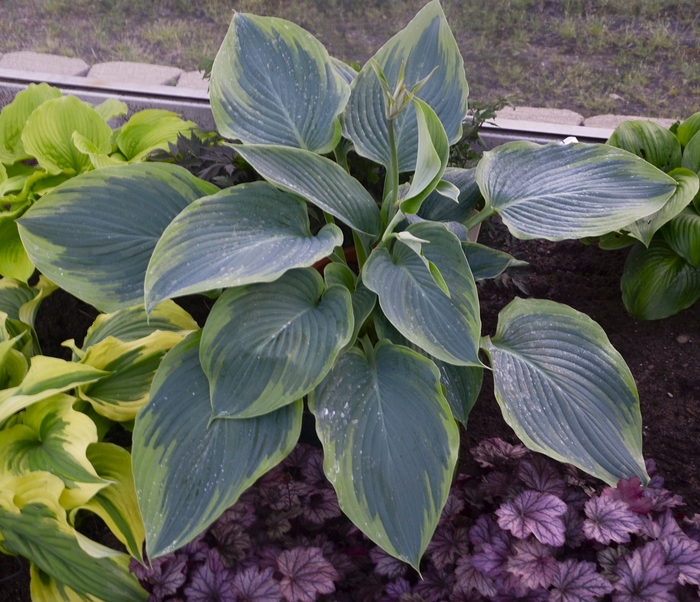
(684, 554)
(254, 585)
(578, 582)
(533, 563)
(644, 576)
(532, 512)
(610, 520)
(494, 452)
(539, 474)
(305, 574)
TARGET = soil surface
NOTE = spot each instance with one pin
(662, 355)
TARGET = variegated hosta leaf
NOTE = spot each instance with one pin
(437, 208)
(657, 282)
(425, 43)
(563, 191)
(447, 327)
(274, 83)
(116, 504)
(150, 130)
(462, 384)
(682, 234)
(34, 525)
(688, 185)
(47, 376)
(188, 468)
(486, 262)
(132, 365)
(94, 235)
(242, 235)
(14, 117)
(13, 364)
(267, 345)
(650, 141)
(14, 261)
(44, 588)
(319, 180)
(565, 390)
(48, 134)
(390, 445)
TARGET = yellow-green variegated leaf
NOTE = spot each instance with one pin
(34, 525)
(390, 445)
(426, 47)
(319, 180)
(14, 117)
(150, 130)
(48, 134)
(111, 108)
(486, 262)
(95, 234)
(242, 235)
(682, 234)
(14, 261)
(132, 364)
(438, 208)
(650, 141)
(564, 191)
(657, 282)
(274, 83)
(116, 504)
(447, 327)
(46, 377)
(44, 588)
(565, 390)
(688, 185)
(188, 468)
(265, 346)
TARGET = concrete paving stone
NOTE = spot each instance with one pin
(135, 73)
(43, 63)
(193, 81)
(560, 116)
(612, 121)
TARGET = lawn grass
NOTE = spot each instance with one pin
(593, 56)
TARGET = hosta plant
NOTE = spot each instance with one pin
(662, 271)
(47, 138)
(388, 352)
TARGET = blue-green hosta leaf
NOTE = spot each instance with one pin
(274, 83)
(34, 525)
(111, 108)
(682, 234)
(14, 261)
(46, 377)
(650, 141)
(188, 468)
(691, 154)
(438, 208)
(346, 72)
(149, 130)
(390, 445)
(363, 302)
(48, 134)
(563, 191)
(95, 234)
(446, 327)
(319, 180)
(425, 43)
(242, 235)
(116, 504)
(431, 160)
(131, 364)
(565, 390)
(688, 129)
(462, 384)
(486, 262)
(14, 117)
(688, 185)
(657, 282)
(267, 345)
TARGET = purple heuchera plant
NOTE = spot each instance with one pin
(517, 527)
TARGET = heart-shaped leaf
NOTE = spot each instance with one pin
(242, 235)
(447, 327)
(650, 141)
(267, 345)
(682, 234)
(390, 445)
(565, 390)
(188, 468)
(563, 191)
(95, 234)
(149, 130)
(274, 83)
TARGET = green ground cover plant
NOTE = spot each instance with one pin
(634, 57)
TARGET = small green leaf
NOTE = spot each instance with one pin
(688, 129)
(682, 234)
(615, 240)
(149, 130)
(486, 262)
(565, 390)
(14, 261)
(691, 154)
(111, 108)
(98, 158)
(650, 141)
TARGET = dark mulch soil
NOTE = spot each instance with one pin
(663, 355)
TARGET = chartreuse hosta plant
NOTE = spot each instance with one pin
(388, 355)
(53, 460)
(662, 271)
(47, 138)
